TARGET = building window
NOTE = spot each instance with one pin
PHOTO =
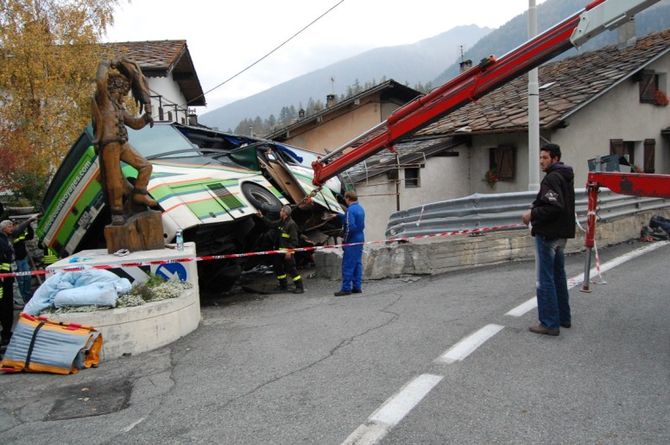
(625, 149)
(412, 178)
(652, 88)
(642, 161)
(502, 162)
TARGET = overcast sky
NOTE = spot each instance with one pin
(224, 37)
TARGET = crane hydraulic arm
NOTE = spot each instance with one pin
(470, 85)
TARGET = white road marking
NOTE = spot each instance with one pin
(133, 425)
(367, 434)
(579, 279)
(523, 308)
(393, 411)
(467, 345)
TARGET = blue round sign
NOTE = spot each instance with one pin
(170, 270)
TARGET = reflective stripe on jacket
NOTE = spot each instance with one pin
(50, 256)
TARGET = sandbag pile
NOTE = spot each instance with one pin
(88, 287)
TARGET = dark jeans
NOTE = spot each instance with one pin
(24, 282)
(553, 306)
(7, 307)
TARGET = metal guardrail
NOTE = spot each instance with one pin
(488, 210)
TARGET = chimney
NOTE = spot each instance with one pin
(465, 65)
(330, 100)
(627, 34)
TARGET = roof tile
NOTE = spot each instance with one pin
(154, 55)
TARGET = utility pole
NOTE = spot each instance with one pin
(533, 109)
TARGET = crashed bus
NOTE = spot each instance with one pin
(208, 184)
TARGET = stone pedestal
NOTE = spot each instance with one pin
(142, 231)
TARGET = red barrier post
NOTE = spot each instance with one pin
(589, 238)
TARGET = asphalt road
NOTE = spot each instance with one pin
(394, 365)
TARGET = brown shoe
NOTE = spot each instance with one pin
(342, 293)
(540, 329)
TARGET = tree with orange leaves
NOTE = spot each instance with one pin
(48, 59)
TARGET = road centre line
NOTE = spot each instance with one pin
(393, 410)
(579, 279)
(523, 308)
(398, 406)
(467, 345)
(133, 425)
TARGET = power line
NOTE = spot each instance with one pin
(271, 52)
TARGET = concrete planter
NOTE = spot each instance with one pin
(132, 330)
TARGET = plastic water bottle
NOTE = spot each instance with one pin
(180, 239)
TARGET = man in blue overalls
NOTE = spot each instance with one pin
(353, 223)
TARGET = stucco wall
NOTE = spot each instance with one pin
(378, 198)
(441, 178)
(617, 115)
(480, 163)
(169, 89)
(334, 132)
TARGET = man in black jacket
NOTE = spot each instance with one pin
(552, 222)
(7, 289)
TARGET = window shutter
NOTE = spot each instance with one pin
(502, 160)
(648, 87)
(649, 155)
(506, 164)
(616, 147)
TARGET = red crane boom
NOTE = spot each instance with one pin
(477, 81)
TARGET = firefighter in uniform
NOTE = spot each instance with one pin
(7, 290)
(286, 238)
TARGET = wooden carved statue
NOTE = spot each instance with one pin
(110, 117)
(115, 79)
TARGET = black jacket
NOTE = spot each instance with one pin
(6, 250)
(20, 235)
(285, 232)
(553, 211)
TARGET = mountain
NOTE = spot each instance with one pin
(434, 59)
(515, 32)
(418, 62)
